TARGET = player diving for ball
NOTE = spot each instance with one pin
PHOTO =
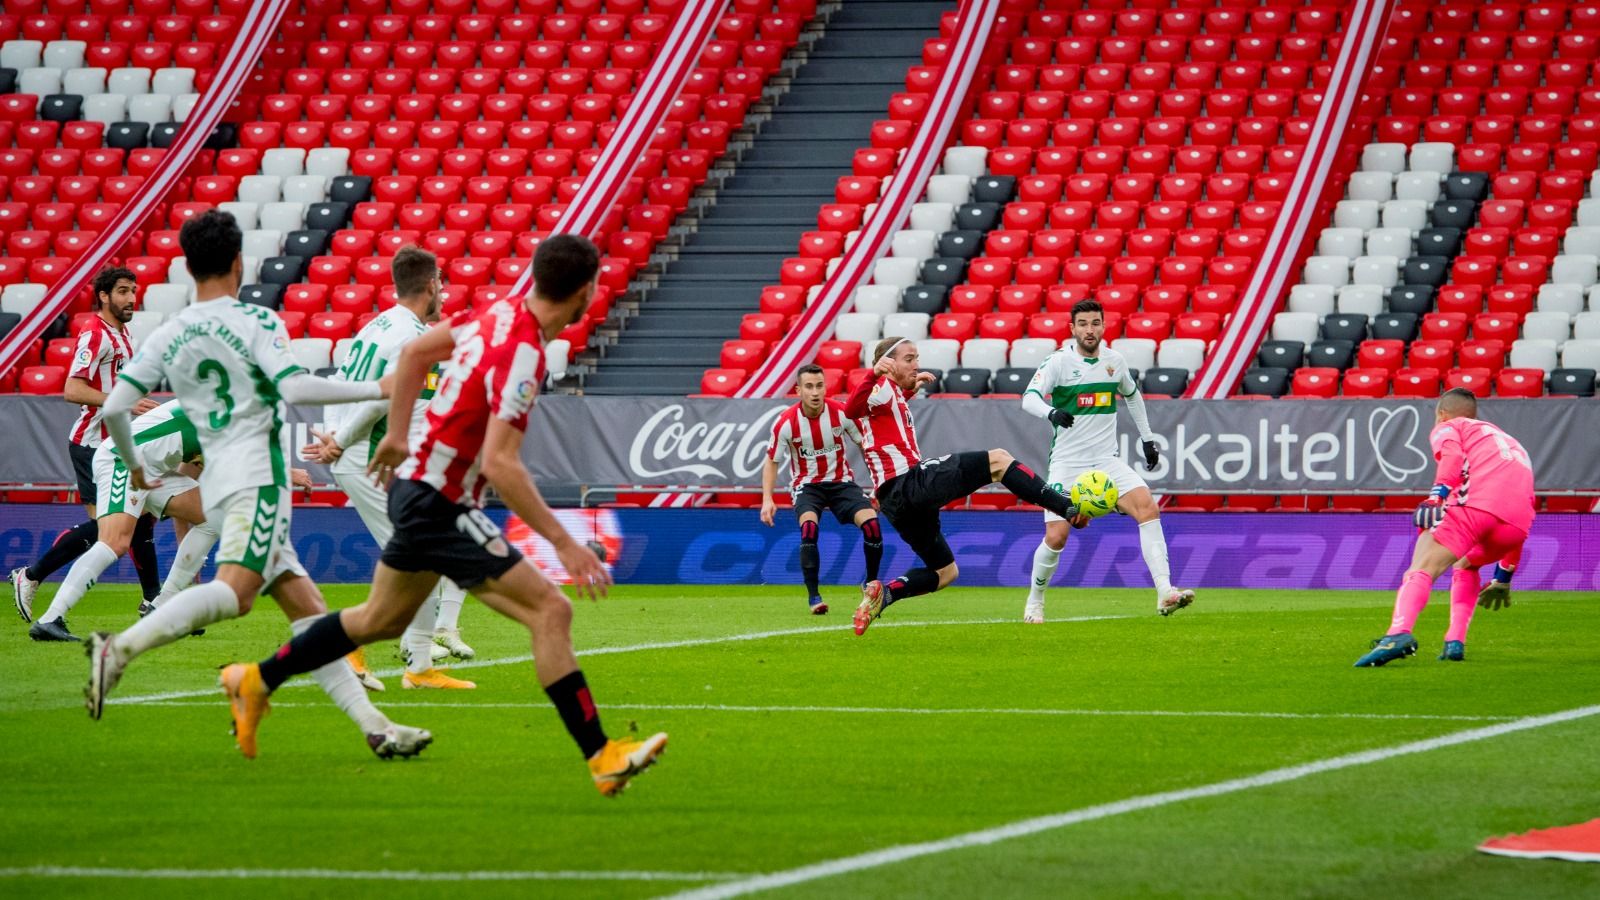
(230, 366)
(1077, 390)
(911, 490)
(357, 429)
(812, 432)
(1479, 512)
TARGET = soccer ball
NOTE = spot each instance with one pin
(1095, 494)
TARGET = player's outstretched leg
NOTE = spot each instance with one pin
(1428, 560)
(1045, 560)
(68, 546)
(877, 596)
(872, 544)
(811, 563)
(192, 609)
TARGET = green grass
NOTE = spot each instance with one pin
(754, 791)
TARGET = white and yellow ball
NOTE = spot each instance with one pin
(1094, 493)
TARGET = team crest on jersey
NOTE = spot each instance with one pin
(1111, 370)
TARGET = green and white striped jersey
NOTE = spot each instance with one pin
(373, 355)
(165, 438)
(1089, 389)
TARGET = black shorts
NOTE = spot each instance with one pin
(83, 468)
(844, 498)
(911, 502)
(432, 534)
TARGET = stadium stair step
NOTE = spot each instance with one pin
(770, 199)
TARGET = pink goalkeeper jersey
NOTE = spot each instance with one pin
(1486, 468)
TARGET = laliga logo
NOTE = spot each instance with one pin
(1396, 426)
(666, 446)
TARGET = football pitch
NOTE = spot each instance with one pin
(1231, 750)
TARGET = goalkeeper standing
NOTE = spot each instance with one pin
(1077, 390)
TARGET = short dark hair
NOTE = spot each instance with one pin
(807, 369)
(105, 281)
(1087, 306)
(412, 269)
(563, 264)
(883, 347)
(1459, 402)
(211, 242)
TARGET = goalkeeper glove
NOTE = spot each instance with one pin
(1060, 418)
(1152, 456)
(1431, 512)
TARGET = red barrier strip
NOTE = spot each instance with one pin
(621, 155)
(255, 32)
(1231, 354)
(973, 24)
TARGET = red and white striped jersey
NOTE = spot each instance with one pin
(496, 370)
(101, 353)
(889, 439)
(815, 446)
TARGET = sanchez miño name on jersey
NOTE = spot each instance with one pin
(1088, 388)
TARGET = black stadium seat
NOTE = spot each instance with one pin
(1395, 326)
(61, 108)
(309, 243)
(1271, 382)
(966, 381)
(1579, 382)
(1439, 242)
(1459, 214)
(1012, 381)
(1416, 299)
(925, 298)
(1345, 327)
(937, 384)
(329, 217)
(165, 133)
(127, 135)
(1331, 354)
(8, 81)
(283, 269)
(1286, 355)
(1428, 271)
(8, 321)
(1171, 382)
(351, 189)
(223, 137)
(268, 295)
(995, 189)
(1472, 186)
(978, 216)
(944, 270)
(961, 244)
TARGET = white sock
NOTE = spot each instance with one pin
(80, 578)
(192, 553)
(1044, 568)
(418, 639)
(1154, 545)
(450, 600)
(339, 682)
(195, 607)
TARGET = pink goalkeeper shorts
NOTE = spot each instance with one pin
(1477, 536)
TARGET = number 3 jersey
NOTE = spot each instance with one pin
(495, 371)
(372, 355)
(1089, 388)
(225, 360)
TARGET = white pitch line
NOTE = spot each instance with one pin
(354, 875)
(1026, 827)
(629, 648)
(898, 710)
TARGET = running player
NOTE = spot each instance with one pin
(911, 490)
(812, 432)
(171, 451)
(476, 423)
(229, 364)
(357, 430)
(1077, 389)
(1464, 528)
(102, 350)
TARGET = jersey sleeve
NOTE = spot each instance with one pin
(1450, 454)
(145, 370)
(513, 385)
(852, 428)
(1043, 382)
(270, 346)
(1126, 386)
(779, 439)
(91, 345)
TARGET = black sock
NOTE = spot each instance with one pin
(1020, 480)
(322, 643)
(143, 553)
(872, 546)
(72, 543)
(913, 583)
(570, 694)
(810, 559)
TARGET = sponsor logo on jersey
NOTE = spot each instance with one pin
(1092, 401)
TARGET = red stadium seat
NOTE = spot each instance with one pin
(742, 354)
(721, 382)
(1478, 381)
(43, 380)
(1520, 383)
(1315, 382)
(1366, 382)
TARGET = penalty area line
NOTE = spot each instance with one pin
(631, 648)
(897, 710)
(355, 875)
(1027, 827)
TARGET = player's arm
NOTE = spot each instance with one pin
(503, 468)
(358, 422)
(1033, 398)
(410, 374)
(1141, 418)
(1451, 457)
(78, 391)
(769, 480)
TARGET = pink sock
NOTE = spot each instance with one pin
(1464, 586)
(1410, 600)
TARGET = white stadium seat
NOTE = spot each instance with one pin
(1422, 186)
(246, 213)
(1546, 325)
(1389, 158)
(1139, 352)
(1361, 299)
(1383, 271)
(938, 353)
(1311, 298)
(39, 81)
(952, 189)
(1586, 326)
(250, 269)
(1328, 270)
(1408, 214)
(1394, 242)
(283, 216)
(1576, 268)
(877, 298)
(307, 189)
(263, 244)
(935, 217)
(1361, 214)
(1433, 157)
(106, 109)
(969, 161)
(341, 349)
(1340, 242)
(1374, 186)
(152, 109)
(907, 325)
(858, 326)
(84, 82)
(329, 162)
(1181, 353)
(142, 324)
(900, 273)
(1295, 326)
(129, 82)
(1532, 353)
(260, 189)
(557, 357)
(914, 244)
(283, 162)
(1589, 212)
(182, 105)
(165, 298)
(313, 353)
(172, 81)
(21, 298)
(1582, 240)
(1028, 353)
(1578, 354)
(29, 54)
(985, 353)
(1567, 298)
(64, 54)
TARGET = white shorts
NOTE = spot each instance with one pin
(371, 503)
(1122, 475)
(118, 496)
(254, 528)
